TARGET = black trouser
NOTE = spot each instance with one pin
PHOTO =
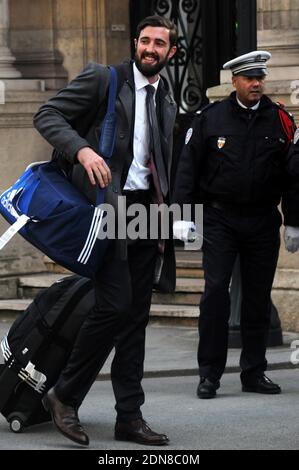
(256, 238)
(123, 297)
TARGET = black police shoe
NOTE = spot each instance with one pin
(207, 388)
(139, 431)
(260, 384)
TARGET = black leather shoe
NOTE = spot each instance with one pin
(65, 418)
(207, 388)
(138, 431)
(260, 384)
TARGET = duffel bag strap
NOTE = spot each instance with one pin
(108, 128)
(13, 229)
(23, 219)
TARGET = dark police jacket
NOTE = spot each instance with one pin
(236, 156)
(72, 120)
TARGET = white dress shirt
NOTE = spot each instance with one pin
(139, 173)
(253, 108)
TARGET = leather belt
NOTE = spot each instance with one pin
(244, 209)
(137, 195)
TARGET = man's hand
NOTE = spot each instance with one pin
(95, 166)
(291, 238)
(183, 230)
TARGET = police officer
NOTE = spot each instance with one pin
(234, 161)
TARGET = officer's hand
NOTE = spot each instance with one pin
(95, 166)
(291, 238)
(183, 230)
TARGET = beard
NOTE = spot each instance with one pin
(150, 70)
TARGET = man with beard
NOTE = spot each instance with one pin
(70, 122)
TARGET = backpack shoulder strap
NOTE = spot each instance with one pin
(108, 130)
(112, 89)
(121, 75)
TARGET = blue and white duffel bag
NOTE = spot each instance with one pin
(51, 214)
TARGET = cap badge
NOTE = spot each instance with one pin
(221, 142)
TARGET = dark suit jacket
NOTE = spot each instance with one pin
(72, 120)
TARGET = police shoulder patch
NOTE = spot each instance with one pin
(283, 108)
(188, 135)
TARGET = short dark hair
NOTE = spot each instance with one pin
(157, 21)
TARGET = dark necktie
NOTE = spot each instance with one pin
(155, 143)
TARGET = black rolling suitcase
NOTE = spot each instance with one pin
(37, 347)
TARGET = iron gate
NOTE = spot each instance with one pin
(184, 71)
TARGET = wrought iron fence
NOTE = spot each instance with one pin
(184, 71)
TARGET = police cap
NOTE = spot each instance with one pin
(252, 64)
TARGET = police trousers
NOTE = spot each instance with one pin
(255, 237)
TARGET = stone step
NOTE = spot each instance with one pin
(176, 299)
(188, 290)
(10, 309)
(188, 264)
(54, 268)
(175, 314)
(8, 288)
(286, 279)
(190, 272)
(184, 260)
(183, 269)
(30, 286)
(188, 259)
(190, 285)
(287, 303)
(182, 304)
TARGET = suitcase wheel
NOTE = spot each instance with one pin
(16, 424)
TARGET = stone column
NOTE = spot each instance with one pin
(7, 70)
(278, 33)
(32, 41)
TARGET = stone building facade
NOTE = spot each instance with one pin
(42, 50)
